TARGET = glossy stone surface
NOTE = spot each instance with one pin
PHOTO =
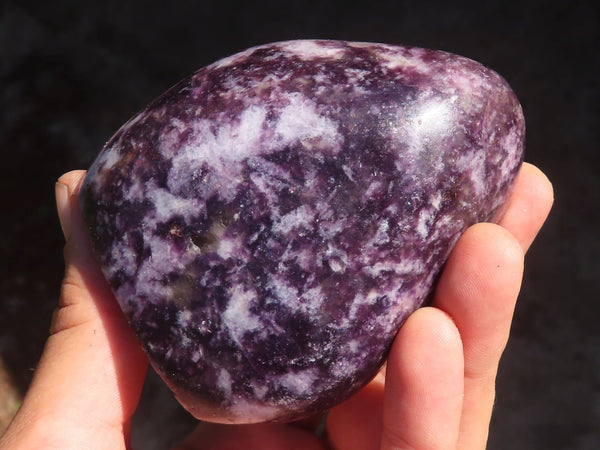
(268, 223)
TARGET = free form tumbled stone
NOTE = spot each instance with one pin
(269, 223)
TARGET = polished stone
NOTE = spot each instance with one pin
(269, 223)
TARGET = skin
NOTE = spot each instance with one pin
(436, 391)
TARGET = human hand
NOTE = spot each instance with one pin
(437, 390)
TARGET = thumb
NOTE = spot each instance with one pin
(89, 378)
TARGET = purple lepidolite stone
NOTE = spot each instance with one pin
(268, 223)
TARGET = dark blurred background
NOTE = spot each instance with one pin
(72, 72)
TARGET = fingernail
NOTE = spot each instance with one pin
(61, 192)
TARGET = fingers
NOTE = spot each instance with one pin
(479, 289)
(90, 376)
(529, 206)
(424, 384)
(82, 275)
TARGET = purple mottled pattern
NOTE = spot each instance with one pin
(269, 222)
